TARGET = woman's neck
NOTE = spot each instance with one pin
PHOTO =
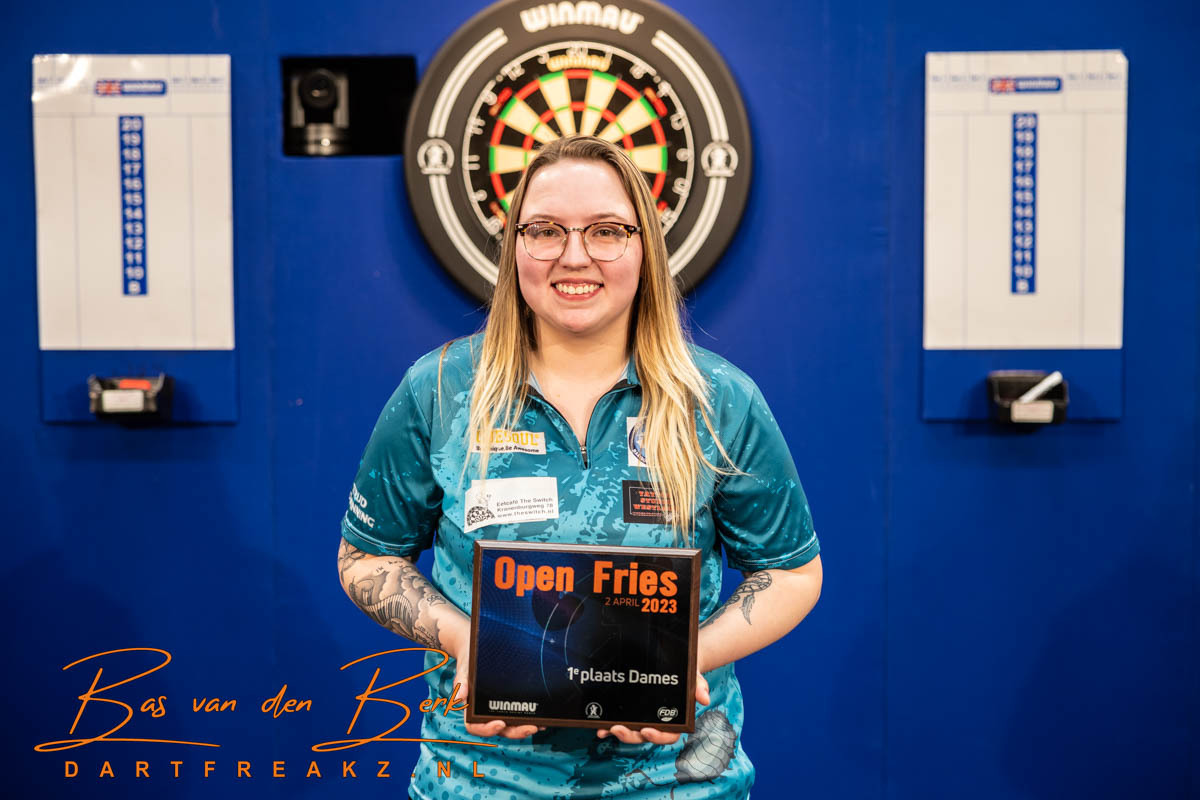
(579, 360)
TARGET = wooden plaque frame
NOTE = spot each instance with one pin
(687, 722)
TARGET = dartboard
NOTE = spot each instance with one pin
(518, 76)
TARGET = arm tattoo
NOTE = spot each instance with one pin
(744, 594)
(347, 557)
(393, 593)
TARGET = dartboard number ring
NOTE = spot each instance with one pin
(518, 76)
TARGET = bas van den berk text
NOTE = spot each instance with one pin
(111, 703)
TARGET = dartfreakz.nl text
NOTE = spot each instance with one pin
(112, 706)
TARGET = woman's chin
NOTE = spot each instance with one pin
(582, 325)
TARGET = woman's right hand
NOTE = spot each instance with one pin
(496, 727)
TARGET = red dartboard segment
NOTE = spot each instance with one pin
(630, 92)
(659, 180)
(659, 135)
(501, 101)
(527, 90)
(497, 209)
(657, 102)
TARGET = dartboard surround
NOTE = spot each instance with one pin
(515, 78)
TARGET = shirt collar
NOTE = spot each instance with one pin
(631, 375)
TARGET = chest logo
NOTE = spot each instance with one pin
(499, 501)
(641, 503)
(506, 441)
(634, 436)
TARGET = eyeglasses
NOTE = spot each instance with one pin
(603, 241)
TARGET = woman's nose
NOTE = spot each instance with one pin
(575, 253)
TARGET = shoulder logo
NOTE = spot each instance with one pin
(358, 507)
(635, 438)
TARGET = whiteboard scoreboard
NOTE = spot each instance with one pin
(134, 202)
(1024, 200)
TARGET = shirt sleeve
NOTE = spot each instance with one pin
(395, 504)
(761, 513)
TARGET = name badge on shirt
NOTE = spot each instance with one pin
(499, 501)
(505, 441)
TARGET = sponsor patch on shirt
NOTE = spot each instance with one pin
(358, 507)
(634, 430)
(499, 501)
(643, 504)
(506, 441)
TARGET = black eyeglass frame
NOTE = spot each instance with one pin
(630, 230)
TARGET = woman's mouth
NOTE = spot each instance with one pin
(576, 289)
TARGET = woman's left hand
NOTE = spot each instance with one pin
(653, 735)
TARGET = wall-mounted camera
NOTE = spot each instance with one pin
(319, 123)
(353, 105)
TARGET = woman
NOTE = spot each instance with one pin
(583, 351)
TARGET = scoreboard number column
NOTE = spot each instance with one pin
(131, 144)
(1024, 203)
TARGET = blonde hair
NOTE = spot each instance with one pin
(673, 389)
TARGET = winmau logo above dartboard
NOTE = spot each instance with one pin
(520, 74)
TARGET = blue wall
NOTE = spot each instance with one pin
(1003, 615)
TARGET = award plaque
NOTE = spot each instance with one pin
(584, 636)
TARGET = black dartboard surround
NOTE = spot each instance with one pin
(517, 75)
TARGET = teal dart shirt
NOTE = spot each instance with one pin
(544, 485)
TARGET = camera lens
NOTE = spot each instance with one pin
(318, 90)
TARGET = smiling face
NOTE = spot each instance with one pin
(575, 295)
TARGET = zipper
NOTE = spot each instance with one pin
(620, 385)
(583, 448)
